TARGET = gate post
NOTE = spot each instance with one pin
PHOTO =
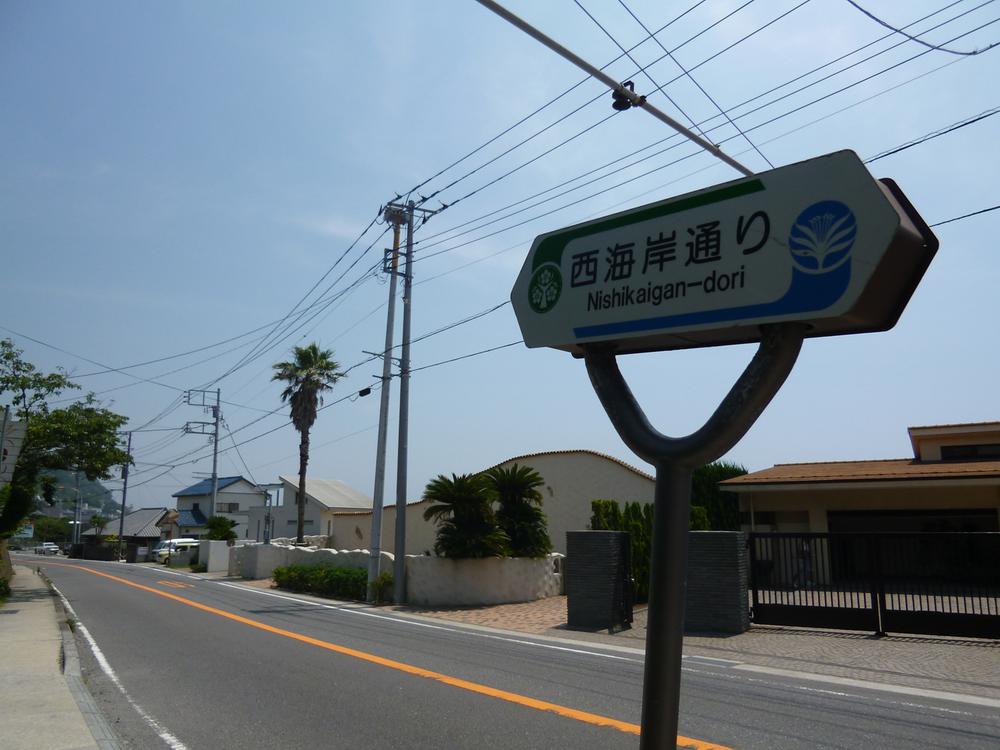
(877, 585)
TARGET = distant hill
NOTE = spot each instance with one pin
(92, 494)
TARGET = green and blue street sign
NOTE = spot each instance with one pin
(820, 242)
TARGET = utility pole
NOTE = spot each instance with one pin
(399, 563)
(196, 397)
(395, 217)
(121, 520)
(77, 515)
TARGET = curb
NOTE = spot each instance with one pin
(104, 736)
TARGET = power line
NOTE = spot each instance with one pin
(695, 82)
(965, 216)
(935, 134)
(467, 356)
(651, 171)
(918, 40)
(547, 104)
(645, 71)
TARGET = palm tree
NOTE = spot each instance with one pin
(466, 524)
(519, 513)
(309, 374)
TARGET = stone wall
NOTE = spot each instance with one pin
(718, 570)
(439, 581)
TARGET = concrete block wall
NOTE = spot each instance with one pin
(439, 581)
(718, 574)
(595, 571)
(215, 555)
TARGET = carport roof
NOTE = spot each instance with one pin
(887, 470)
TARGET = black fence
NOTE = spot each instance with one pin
(929, 583)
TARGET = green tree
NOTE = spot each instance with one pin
(51, 529)
(82, 436)
(466, 523)
(98, 522)
(519, 513)
(221, 528)
(722, 507)
(311, 372)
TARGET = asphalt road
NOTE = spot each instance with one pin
(211, 664)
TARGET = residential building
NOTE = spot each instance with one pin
(324, 498)
(144, 527)
(573, 478)
(235, 497)
(951, 483)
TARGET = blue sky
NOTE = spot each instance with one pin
(173, 175)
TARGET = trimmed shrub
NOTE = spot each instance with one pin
(338, 583)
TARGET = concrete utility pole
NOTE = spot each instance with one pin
(77, 515)
(395, 217)
(217, 413)
(121, 520)
(399, 550)
(200, 398)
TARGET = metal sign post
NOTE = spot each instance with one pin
(818, 248)
(675, 460)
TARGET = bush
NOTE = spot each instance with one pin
(339, 583)
(199, 567)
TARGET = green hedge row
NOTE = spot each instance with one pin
(339, 583)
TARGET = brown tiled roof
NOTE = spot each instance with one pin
(893, 469)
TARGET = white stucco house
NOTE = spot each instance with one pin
(573, 478)
(235, 498)
(324, 499)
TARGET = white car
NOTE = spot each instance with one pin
(47, 548)
(172, 547)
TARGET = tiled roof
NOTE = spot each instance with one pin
(204, 487)
(139, 523)
(893, 469)
(191, 518)
(331, 493)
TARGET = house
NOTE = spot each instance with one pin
(235, 497)
(573, 478)
(144, 527)
(952, 483)
(324, 498)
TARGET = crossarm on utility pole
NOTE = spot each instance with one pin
(600, 75)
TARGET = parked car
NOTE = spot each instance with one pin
(47, 548)
(172, 547)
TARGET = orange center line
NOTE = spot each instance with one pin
(474, 687)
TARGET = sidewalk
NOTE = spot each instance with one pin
(42, 705)
(956, 665)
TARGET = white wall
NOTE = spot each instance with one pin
(438, 581)
(430, 581)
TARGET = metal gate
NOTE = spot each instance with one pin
(930, 583)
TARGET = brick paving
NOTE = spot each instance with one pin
(958, 665)
(969, 666)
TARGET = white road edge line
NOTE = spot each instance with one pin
(161, 731)
(974, 700)
(406, 621)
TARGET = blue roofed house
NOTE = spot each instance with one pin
(234, 499)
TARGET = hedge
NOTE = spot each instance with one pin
(338, 583)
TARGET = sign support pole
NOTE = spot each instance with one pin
(675, 460)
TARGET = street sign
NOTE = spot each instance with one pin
(819, 242)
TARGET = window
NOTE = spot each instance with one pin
(227, 507)
(970, 452)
